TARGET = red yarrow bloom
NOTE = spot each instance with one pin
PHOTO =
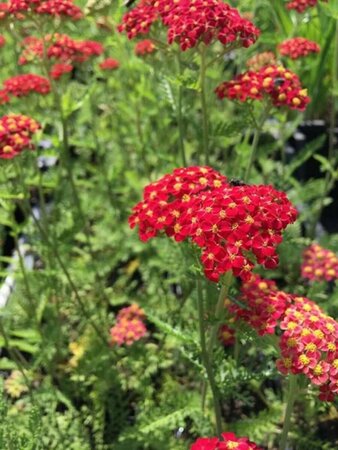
(62, 8)
(319, 264)
(274, 83)
(298, 47)
(109, 64)
(60, 69)
(16, 131)
(228, 441)
(190, 22)
(2, 41)
(226, 335)
(301, 5)
(129, 326)
(23, 85)
(59, 47)
(145, 47)
(227, 222)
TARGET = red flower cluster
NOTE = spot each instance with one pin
(191, 22)
(3, 10)
(265, 304)
(109, 64)
(23, 85)
(281, 86)
(319, 264)
(59, 47)
(16, 132)
(309, 345)
(226, 335)
(51, 7)
(298, 47)
(60, 69)
(229, 441)
(229, 223)
(260, 60)
(144, 47)
(301, 5)
(129, 326)
(2, 41)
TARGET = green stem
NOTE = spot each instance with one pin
(207, 362)
(291, 397)
(205, 123)
(255, 141)
(179, 116)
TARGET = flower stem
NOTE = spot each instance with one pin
(291, 397)
(205, 122)
(254, 146)
(207, 362)
(179, 116)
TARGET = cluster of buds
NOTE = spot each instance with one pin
(298, 47)
(275, 83)
(319, 264)
(229, 223)
(309, 345)
(16, 132)
(129, 326)
(189, 23)
(260, 60)
(23, 85)
(109, 64)
(301, 5)
(60, 48)
(226, 335)
(228, 441)
(144, 47)
(61, 8)
(264, 304)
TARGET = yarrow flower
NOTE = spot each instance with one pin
(281, 86)
(319, 264)
(298, 47)
(189, 23)
(260, 60)
(145, 47)
(60, 69)
(129, 326)
(229, 223)
(2, 41)
(309, 345)
(228, 441)
(109, 64)
(64, 8)
(301, 5)
(226, 335)
(59, 47)
(23, 85)
(265, 304)
(16, 131)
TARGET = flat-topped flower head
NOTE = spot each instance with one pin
(228, 441)
(190, 22)
(301, 5)
(319, 264)
(309, 345)
(23, 85)
(62, 8)
(109, 64)
(144, 47)
(129, 326)
(60, 69)
(274, 83)
(298, 47)
(16, 131)
(230, 224)
(59, 47)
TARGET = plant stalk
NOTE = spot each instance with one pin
(291, 397)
